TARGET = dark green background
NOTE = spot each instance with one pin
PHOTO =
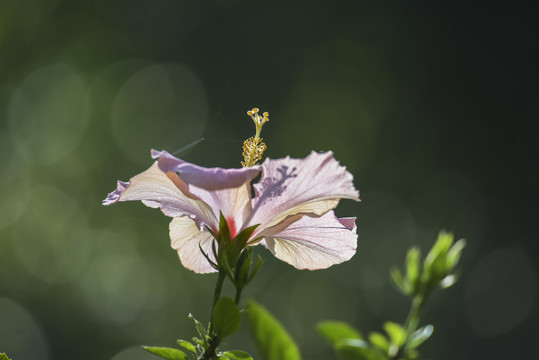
(431, 105)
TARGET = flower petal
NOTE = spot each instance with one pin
(234, 204)
(114, 196)
(155, 189)
(226, 191)
(215, 178)
(313, 185)
(315, 242)
(187, 240)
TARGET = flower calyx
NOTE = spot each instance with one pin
(233, 256)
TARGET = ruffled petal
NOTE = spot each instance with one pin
(157, 190)
(315, 242)
(313, 185)
(226, 191)
(114, 196)
(215, 178)
(187, 240)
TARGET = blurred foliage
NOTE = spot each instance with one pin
(272, 340)
(432, 106)
(401, 341)
(166, 352)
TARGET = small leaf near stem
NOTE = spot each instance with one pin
(410, 325)
(226, 318)
(166, 352)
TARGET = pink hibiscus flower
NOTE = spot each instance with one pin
(292, 206)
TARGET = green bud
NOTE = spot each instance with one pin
(413, 258)
(434, 267)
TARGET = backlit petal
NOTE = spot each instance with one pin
(313, 185)
(155, 189)
(234, 204)
(215, 178)
(225, 190)
(187, 240)
(315, 242)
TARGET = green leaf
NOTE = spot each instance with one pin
(453, 255)
(236, 245)
(398, 280)
(335, 331)
(396, 333)
(187, 346)
(379, 340)
(224, 231)
(420, 335)
(242, 238)
(224, 264)
(434, 267)
(210, 231)
(356, 349)
(3, 356)
(246, 268)
(413, 258)
(166, 352)
(200, 342)
(200, 328)
(345, 352)
(258, 264)
(272, 340)
(235, 355)
(226, 317)
(213, 264)
(242, 267)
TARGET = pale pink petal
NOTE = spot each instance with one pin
(155, 189)
(315, 242)
(187, 240)
(206, 178)
(226, 191)
(234, 204)
(114, 196)
(313, 185)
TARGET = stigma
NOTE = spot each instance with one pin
(254, 147)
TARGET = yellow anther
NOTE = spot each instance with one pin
(254, 147)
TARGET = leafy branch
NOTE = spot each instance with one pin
(422, 277)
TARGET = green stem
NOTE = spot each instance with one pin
(238, 295)
(217, 296)
(413, 316)
(411, 323)
(213, 339)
